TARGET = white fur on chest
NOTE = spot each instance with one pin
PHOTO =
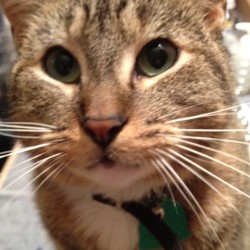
(113, 229)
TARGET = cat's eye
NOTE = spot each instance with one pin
(62, 66)
(156, 57)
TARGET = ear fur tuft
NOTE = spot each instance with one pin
(215, 13)
(17, 12)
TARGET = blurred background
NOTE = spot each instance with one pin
(7, 55)
(237, 40)
(21, 228)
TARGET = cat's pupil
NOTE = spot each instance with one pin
(157, 57)
(64, 64)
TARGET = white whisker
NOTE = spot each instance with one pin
(9, 153)
(30, 124)
(208, 114)
(178, 111)
(206, 139)
(199, 176)
(22, 163)
(6, 152)
(183, 109)
(5, 125)
(205, 115)
(218, 161)
(211, 130)
(38, 164)
(190, 195)
(19, 136)
(223, 153)
(166, 181)
(29, 159)
(24, 130)
(164, 166)
(26, 186)
(56, 170)
(209, 148)
(213, 175)
(62, 167)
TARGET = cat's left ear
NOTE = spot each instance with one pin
(18, 12)
(215, 14)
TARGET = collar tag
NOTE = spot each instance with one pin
(175, 218)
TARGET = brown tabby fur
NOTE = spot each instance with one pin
(106, 37)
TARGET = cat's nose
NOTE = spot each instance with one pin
(103, 130)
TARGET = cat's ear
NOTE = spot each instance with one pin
(18, 11)
(215, 14)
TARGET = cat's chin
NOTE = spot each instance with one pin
(116, 175)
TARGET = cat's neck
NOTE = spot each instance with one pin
(113, 228)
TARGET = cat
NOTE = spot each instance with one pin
(123, 99)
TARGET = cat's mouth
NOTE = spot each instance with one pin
(106, 162)
(108, 165)
(108, 172)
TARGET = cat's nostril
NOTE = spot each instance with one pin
(103, 131)
(114, 131)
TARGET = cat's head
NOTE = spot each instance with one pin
(114, 78)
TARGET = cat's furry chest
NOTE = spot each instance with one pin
(104, 227)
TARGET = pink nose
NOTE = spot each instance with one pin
(103, 131)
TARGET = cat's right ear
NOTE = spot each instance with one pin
(215, 13)
(18, 11)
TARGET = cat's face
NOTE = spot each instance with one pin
(113, 78)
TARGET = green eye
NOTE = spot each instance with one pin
(156, 57)
(62, 66)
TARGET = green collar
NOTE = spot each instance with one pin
(169, 229)
(175, 218)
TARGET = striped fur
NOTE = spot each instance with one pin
(106, 37)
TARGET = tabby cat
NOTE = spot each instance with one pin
(125, 98)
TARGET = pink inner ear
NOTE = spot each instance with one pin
(215, 17)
